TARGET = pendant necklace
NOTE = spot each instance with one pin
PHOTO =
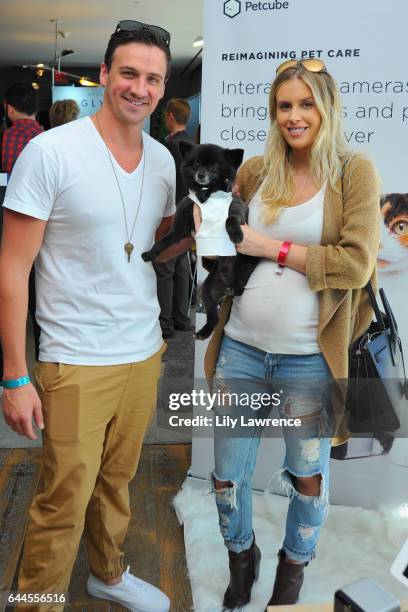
(304, 184)
(128, 246)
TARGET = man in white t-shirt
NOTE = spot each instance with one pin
(85, 200)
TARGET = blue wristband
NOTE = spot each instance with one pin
(14, 383)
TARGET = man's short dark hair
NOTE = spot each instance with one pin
(180, 109)
(146, 37)
(23, 97)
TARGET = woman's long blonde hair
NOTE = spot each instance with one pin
(329, 151)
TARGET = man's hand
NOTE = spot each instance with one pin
(235, 190)
(176, 249)
(19, 407)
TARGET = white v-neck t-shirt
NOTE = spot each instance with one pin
(279, 313)
(93, 307)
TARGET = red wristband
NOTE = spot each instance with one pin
(283, 252)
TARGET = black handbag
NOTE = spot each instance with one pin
(377, 391)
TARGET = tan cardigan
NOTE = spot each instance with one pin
(337, 269)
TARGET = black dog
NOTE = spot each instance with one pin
(207, 169)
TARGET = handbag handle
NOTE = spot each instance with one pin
(374, 306)
(389, 313)
(392, 326)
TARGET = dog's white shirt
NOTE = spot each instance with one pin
(212, 238)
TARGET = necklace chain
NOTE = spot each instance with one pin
(304, 183)
(128, 246)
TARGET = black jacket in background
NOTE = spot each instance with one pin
(171, 142)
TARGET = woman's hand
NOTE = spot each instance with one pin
(257, 244)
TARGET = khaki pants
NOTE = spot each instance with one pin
(95, 420)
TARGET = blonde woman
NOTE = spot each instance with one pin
(314, 222)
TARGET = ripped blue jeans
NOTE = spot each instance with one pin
(243, 371)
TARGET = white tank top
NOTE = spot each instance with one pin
(278, 313)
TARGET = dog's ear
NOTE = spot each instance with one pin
(234, 156)
(185, 147)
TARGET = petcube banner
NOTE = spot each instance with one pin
(361, 45)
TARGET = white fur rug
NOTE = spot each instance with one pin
(354, 543)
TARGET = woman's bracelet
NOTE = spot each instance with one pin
(283, 251)
(15, 383)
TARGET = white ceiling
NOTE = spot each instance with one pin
(28, 37)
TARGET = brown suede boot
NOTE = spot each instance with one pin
(244, 571)
(288, 582)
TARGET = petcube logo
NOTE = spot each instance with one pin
(232, 8)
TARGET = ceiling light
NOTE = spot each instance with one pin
(39, 66)
(87, 82)
(198, 42)
(35, 85)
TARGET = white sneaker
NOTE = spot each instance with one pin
(131, 592)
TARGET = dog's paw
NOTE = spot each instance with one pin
(203, 333)
(236, 236)
(147, 256)
(234, 230)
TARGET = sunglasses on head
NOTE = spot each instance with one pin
(313, 65)
(128, 25)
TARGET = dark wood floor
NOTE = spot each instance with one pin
(154, 545)
(19, 474)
